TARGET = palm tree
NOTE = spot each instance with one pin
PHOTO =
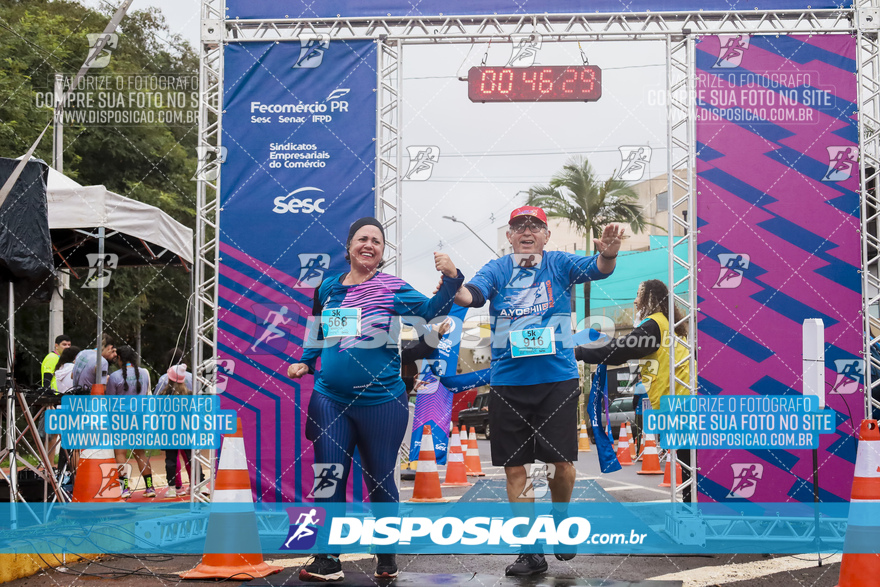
(577, 194)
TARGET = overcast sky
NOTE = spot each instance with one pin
(490, 153)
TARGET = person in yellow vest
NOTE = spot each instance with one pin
(47, 368)
(649, 344)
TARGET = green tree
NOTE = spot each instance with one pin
(151, 163)
(590, 204)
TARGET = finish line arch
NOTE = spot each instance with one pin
(679, 31)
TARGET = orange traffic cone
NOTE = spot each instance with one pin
(427, 486)
(858, 566)
(667, 474)
(472, 456)
(623, 455)
(456, 472)
(650, 458)
(97, 477)
(583, 439)
(229, 530)
(632, 442)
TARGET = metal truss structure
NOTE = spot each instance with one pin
(681, 137)
(677, 29)
(206, 271)
(869, 164)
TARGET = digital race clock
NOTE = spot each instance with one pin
(539, 83)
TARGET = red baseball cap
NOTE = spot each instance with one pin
(533, 211)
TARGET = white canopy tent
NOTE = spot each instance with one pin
(139, 233)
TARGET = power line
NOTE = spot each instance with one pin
(530, 153)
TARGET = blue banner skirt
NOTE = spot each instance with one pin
(604, 445)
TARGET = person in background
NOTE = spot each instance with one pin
(417, 349)
(47, 368)
(173, 357)
(63, 381)
(175, 384)
(84, 366)
(63, 376)
(131, 379)
(640, 392)
(648, 343)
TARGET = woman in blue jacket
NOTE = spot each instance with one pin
(359, 399)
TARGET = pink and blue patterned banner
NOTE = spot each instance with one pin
(778, 215)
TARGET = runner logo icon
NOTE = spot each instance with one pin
(421, 162)
(745, 479)
(94, 280)
(304, 523)
(730, 53)
(649, 368)
(841, 162)
(850, 374)
(111, 484)
(312, 268)
(525, 49)
(327, 476)
(633, 162)
(311, 52)
(733, 266)
(105, 43)
(224, 368)
(537, 483)
(272, 332)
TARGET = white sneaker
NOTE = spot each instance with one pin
(171, 493)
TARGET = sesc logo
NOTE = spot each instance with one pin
(294, 205)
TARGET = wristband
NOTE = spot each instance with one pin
(604, 256)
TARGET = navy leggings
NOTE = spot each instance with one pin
(336, 429)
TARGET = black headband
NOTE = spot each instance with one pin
(358, 224)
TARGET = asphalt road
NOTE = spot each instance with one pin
(733, 570)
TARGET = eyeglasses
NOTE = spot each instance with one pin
(532, 226)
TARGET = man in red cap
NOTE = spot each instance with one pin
(535, 383)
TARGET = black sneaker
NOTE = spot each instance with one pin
(564, 556)
(322, 568)
(527, 564)
(386, 568)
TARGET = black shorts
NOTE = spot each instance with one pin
(531, 422)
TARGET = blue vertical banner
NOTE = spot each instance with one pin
(299, 125)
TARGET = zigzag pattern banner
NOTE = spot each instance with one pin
(778, 215)
(298, 128)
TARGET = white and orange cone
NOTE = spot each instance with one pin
(456, 472)
(650, 458)
(623, 455)
(232, 486)
(97, 477)
(472, 456)
(583, 438)
(632, 442)
(667, 479)
(859, 569)
(427, 485)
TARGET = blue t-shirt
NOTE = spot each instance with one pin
(528, 298)
(116, 383)
(365, 369)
